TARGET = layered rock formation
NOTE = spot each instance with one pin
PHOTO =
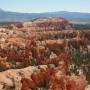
(55, 23)
(41, 54)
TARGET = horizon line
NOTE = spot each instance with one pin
(43, 11)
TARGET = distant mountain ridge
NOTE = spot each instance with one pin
(75, 17)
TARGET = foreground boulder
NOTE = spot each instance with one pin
(35, 76)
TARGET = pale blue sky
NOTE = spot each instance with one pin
(32, 6)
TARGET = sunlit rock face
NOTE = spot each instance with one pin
(40, 54)
(55, 23)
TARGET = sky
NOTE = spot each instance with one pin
(37, 6)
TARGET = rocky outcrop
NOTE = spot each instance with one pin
(56, 23)
(12, 78)
(34, 76)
